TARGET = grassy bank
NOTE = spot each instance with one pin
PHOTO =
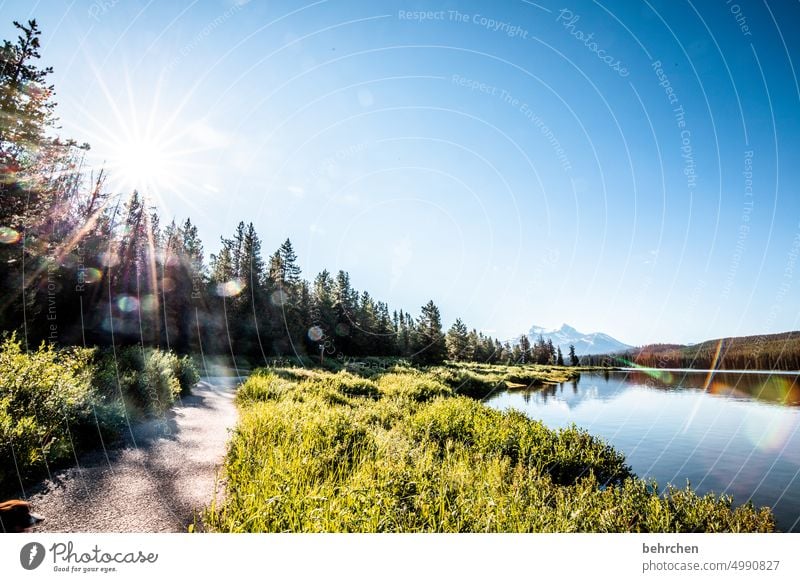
(401, 450)
(56, 403)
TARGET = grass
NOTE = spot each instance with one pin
(402, 450)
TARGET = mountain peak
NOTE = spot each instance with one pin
(585, 343)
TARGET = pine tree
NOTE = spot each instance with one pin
(489, 350)
(524, 348)
(573, 359)
(250, 304)
(276, 271)
(429, 345)
(404, 332)
(344, 306)
(384, 340)
(236, 249)
(559, 357)
(457, 341)
(193, 247)
(251, 263)
(291, 271)
(367, 322)
(222, 265)
(474, 353)
(323, 314)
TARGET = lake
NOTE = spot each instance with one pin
(726, 432)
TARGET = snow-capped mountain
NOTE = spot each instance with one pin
(585, 343)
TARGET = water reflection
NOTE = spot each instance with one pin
(780, 389)
(727, 432)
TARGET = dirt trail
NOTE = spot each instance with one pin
(156, 481)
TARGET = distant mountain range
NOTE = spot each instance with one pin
(585, 343)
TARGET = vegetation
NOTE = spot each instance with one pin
(56, 403)
(780, 351)
(401, 451)
(102, 269)
(359, 447)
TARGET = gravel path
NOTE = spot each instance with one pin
(157, 480)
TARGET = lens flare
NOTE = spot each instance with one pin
(279, 298)
(9, 236)
(92, 275)
(315, 333)
(768, 429)
(149, 303)
(663, 375)
(108, 259)
(230, 288)
(128, 303)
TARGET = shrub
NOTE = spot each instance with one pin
(185, 370)
(158, 381)
(146, 379)
(48, 408)
(263, 386)
(349, 385)
(56, 403)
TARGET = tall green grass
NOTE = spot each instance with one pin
(401, 451)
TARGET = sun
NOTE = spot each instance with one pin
(142, 163)
(142, 140)
(149, 137)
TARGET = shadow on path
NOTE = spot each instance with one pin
(156, 479)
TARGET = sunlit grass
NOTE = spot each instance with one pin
(403, 451)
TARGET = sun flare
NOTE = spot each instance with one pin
(146, 142)
(142, 164)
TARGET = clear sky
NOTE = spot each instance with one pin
(627, 167)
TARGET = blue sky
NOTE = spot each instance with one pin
(622, 166)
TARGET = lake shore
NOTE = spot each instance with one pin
(403, 450)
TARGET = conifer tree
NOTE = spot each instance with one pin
(429, 345)
(457, 341)
(573, 359)
(291, 270)
(524, 349)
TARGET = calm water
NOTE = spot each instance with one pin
(737, 433)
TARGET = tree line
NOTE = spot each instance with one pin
(779, 351)
(82, 266)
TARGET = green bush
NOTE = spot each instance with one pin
(185, 370)
(146, 379)
(349, 385)
(263, 386)
(56, 403)
(48, 408)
